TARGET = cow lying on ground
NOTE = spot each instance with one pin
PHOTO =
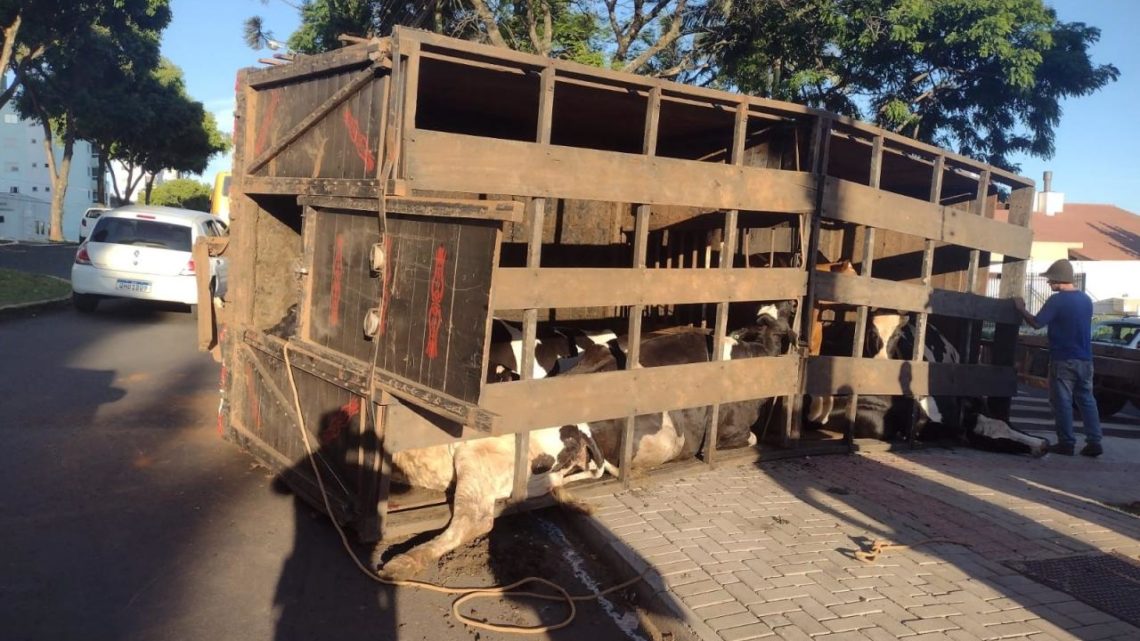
(481, 471)
(680, 434)
(888, 417)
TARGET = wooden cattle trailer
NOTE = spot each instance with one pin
(392, 197)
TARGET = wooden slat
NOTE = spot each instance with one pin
(887, 294)
(507, 210)
(526, 288)
(304, 66)
(854, 203)
(844, 375)
(567, 400)
(309, 186)
(442, 161)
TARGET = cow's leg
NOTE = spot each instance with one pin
(820, 409)
(483, 473)
(992, 433)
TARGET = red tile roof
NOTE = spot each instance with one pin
(1107, 231)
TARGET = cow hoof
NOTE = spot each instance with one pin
(400, 567)
(1041, 450)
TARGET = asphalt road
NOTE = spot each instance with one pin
(124, 516)
(54, 260)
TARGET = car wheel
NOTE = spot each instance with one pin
(1108, 403)
(85, 303)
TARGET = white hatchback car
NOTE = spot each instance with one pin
(88, 221)
(144, 252)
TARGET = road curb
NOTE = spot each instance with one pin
(21, 309)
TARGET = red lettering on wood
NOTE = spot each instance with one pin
(435, 306)
(359, 140)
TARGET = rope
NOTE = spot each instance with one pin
(880, 546)
(468, 593)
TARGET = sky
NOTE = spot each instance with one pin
(1096, 158)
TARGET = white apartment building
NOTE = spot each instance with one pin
(24, 169)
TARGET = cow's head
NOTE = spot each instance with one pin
(884, 332)
(568, 451)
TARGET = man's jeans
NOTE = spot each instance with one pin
(1069, 381)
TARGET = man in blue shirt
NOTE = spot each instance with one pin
(1068, 315)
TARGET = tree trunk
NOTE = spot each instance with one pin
(10, 32)
(101, 189)
(59, 184)
(149, 188)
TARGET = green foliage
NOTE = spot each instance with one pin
(72, 60)
(576, 33)
(158, 126)
(983, 77)
(183, 192)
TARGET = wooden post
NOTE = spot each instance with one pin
(533, 261)
(865, 272)
(640, 250)
(1012, 284)
(970, 339)
(927, 269)
(727, 254)
(820, 157)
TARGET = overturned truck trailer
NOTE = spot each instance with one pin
(393, 200)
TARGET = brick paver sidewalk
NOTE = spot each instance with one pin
(746, 552)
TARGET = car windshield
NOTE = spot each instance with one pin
(148, 233)
(1115, 333)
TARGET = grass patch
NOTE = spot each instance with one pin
(21, 287)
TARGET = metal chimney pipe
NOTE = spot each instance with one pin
(1048, 181)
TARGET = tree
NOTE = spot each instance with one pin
(183, 192)
(624, 36)
(160, 128)
(116, 44)
(983, 77)
(30, 28)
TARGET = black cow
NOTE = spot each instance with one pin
(888, 417)
(680, 434)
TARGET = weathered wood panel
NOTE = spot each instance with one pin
(523, 288)
(854, 203)
(877, 292)
(843, 375)
(607, 395)
(435, 306)
(443, 161)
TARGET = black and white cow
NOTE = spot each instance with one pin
(680, 434)
(481, 471)
(554, 349)
(888, 417)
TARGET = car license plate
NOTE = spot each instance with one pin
(133, 285)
